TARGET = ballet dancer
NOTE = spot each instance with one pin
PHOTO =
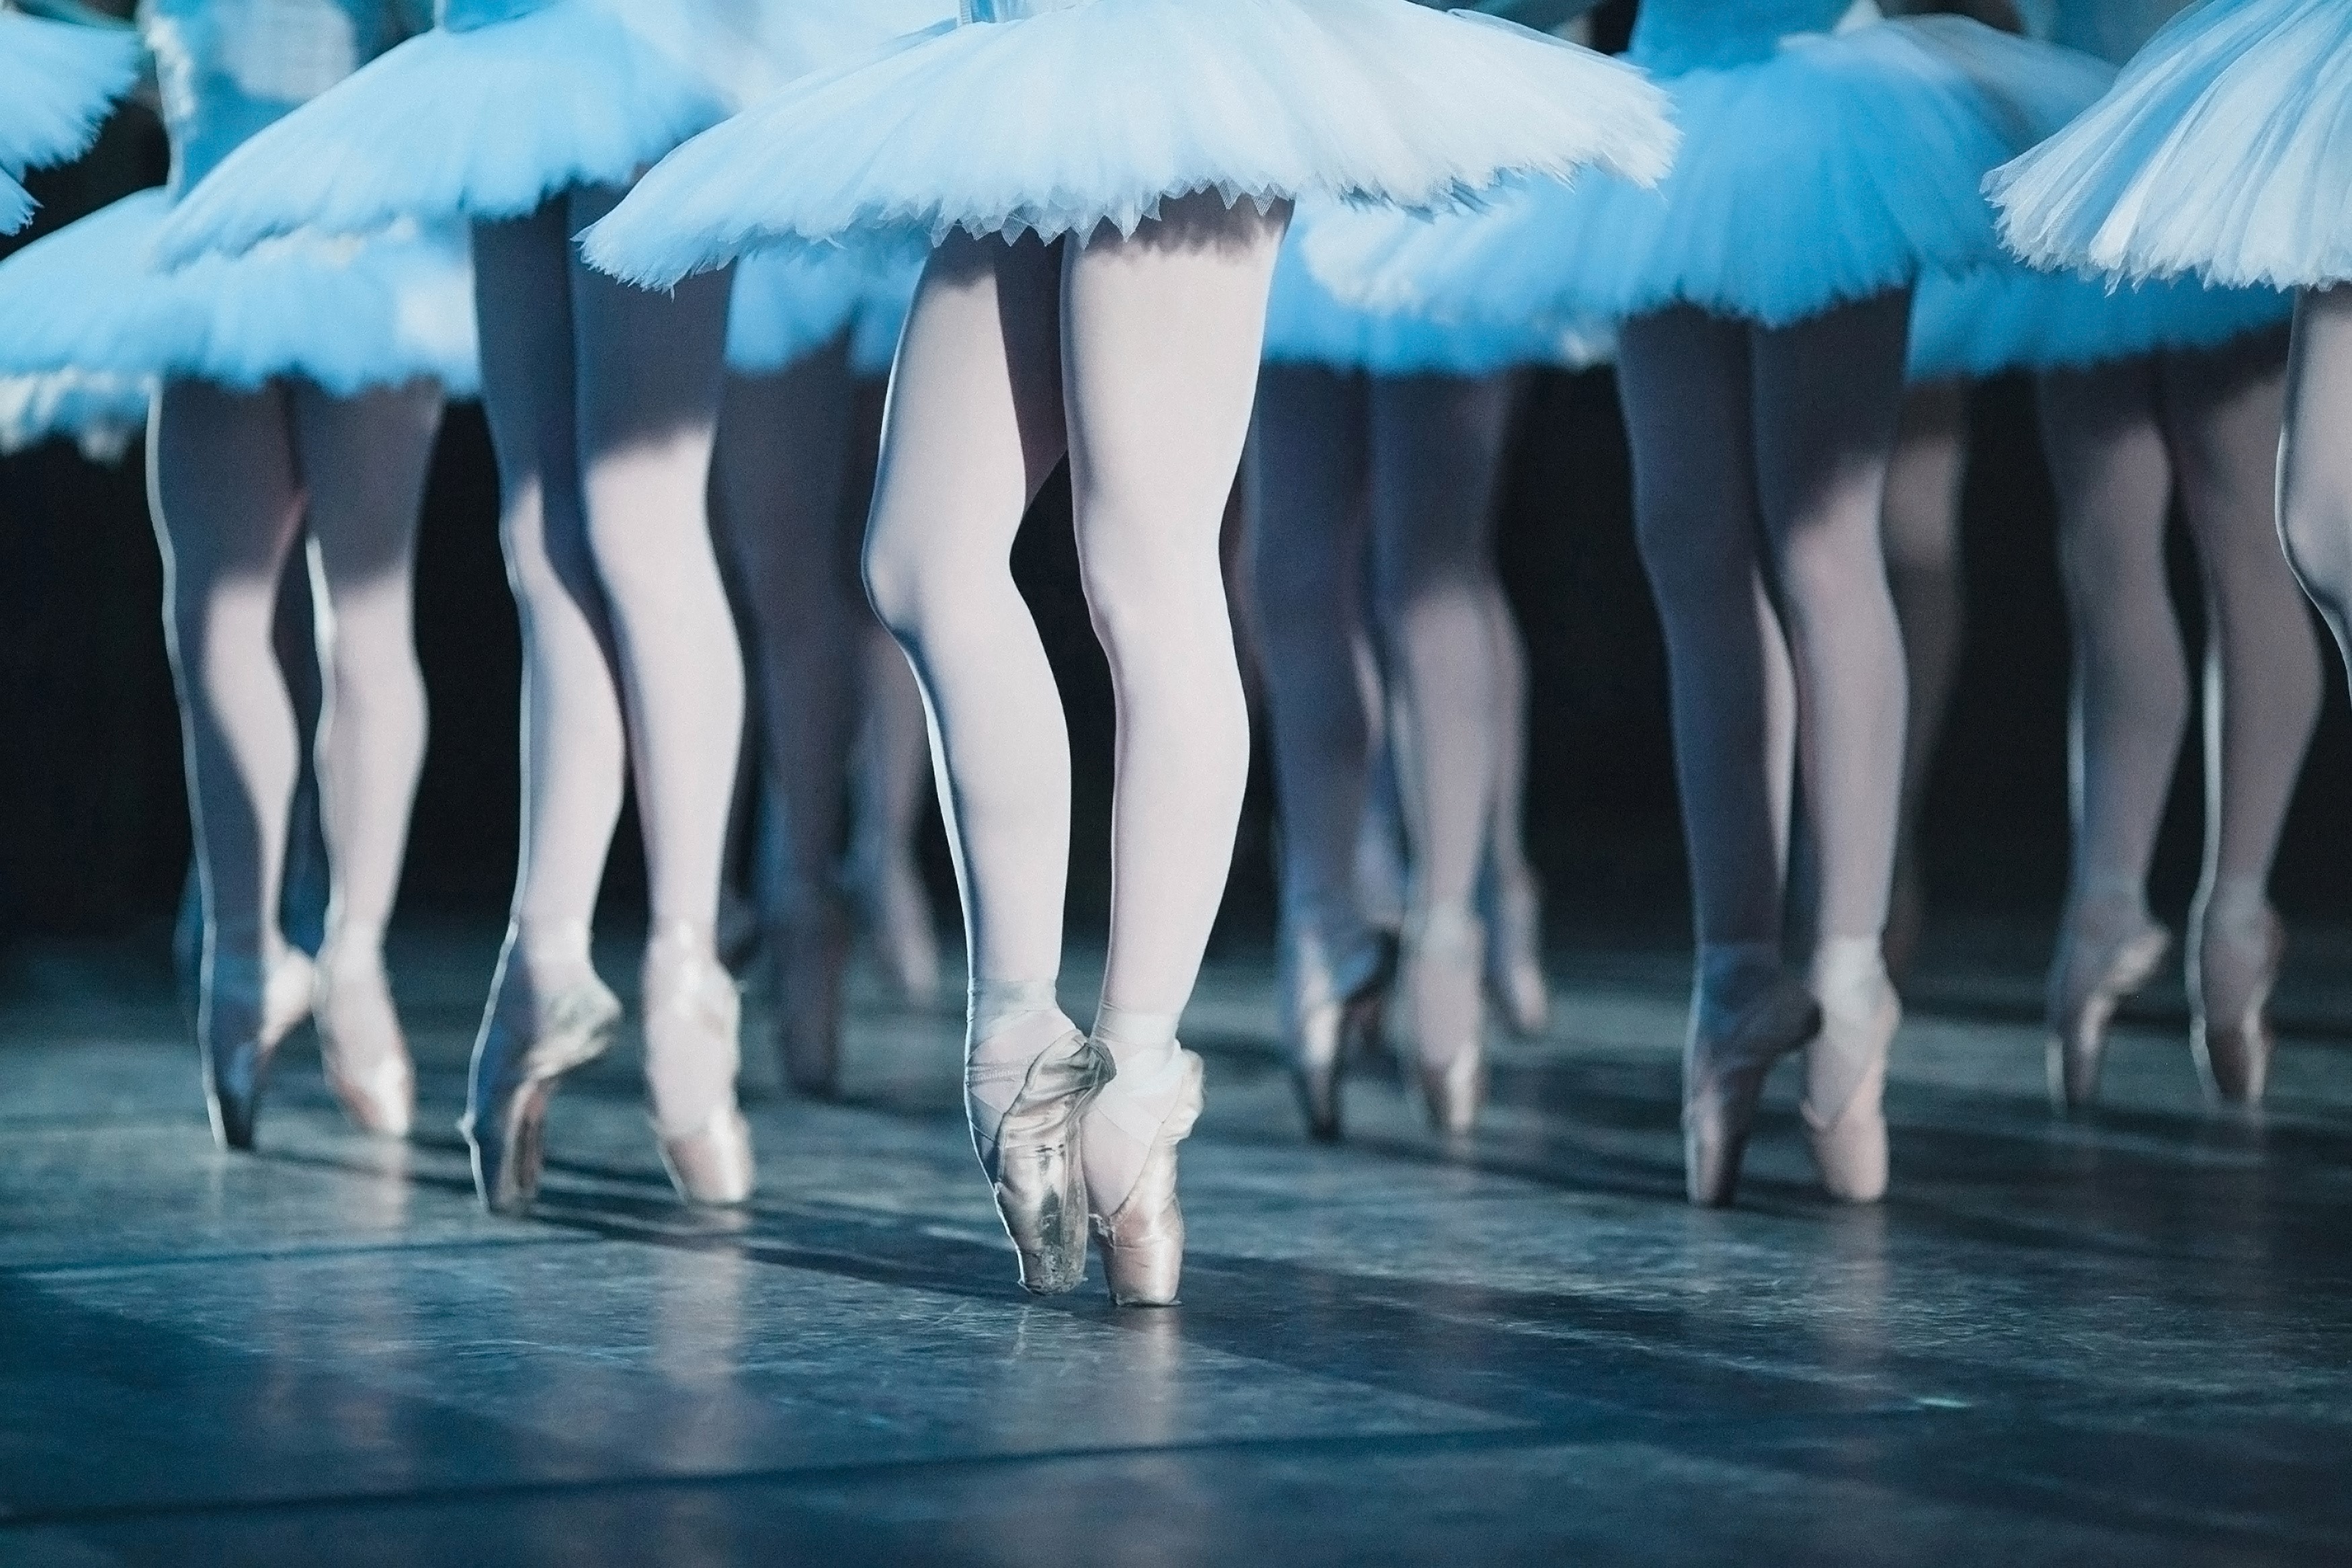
(2218, 153)
(802, 338)
(1098, 289)
(299, 394)
(601, 402)
(58, 80)
(1763, 307)
(1373, 468)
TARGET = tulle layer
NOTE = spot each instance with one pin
(2011, 317)
(345, 314)
(1062, 122)
(2225, 149)
(784, 305)
(487, 124)
(882, 307)
(102, 414)
(57, 81)
(1841, 167)
(1305, 324)
(15, 206)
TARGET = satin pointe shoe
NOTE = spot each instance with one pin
(531, 1036)
(1141, 1232)
(1032, 1156)
(1844, 1107)
(246, 1008)
(1725, 1059)
(2092, 975)
(692, 1013)
(808, 951)
(2232, 972)
(360, 1046)
(1515, 971)
(1331, 1011)
(1443, 971)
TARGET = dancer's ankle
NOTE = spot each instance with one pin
(2236, 904)
(551, 952)
(1140, 1045)
(1848, 976)
(1729, 978)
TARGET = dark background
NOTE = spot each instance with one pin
(93, 825)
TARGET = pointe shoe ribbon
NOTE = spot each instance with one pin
(1031, 1153)
(1142, 1237)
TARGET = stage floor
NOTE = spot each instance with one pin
(2126, 1337)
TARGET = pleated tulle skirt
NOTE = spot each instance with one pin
(57, 81)
(102, 414)
(490, 122)
(347, 315)
(1089, 118)
(2224, 150)
(1307, 324)
(1840, 167)
(2011, 317)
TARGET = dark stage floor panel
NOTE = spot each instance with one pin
(2123, 1337)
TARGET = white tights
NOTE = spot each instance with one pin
(1922, 528)
(1401, 470)
(601, 402)
(1135, 358)
(1759, 460)
(2122, 438)
(236, 479)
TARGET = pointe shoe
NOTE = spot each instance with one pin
(1142, 1240)
(1032, 1160)
(692, 1015)
(360, 1046)
(1330, 1013)
(898, 914)
(1444, 980)
(712, 1166)
(1844, 1107)
(2088, 982)
(245, 1009)
(1515, 952)
(529, 1041)
(1723, 1078)
(809, 951)
(2233, 1053)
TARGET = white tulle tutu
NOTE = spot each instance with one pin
(1064, 121)
(102, 414)
(2008, 318)
(1830, 168)
(57, 81)
(1307, 324)
(2225, 149)
(345, 314)
(491, 121)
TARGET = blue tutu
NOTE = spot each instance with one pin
(1816, 168)
(58, 81)
(101, 414)
(785, 306)
(2011, 317)
(1307, 324)
(1064, 117)
(882, 307)
(92, 301)
(345, 314)
(2225, 150)
(509, 103)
